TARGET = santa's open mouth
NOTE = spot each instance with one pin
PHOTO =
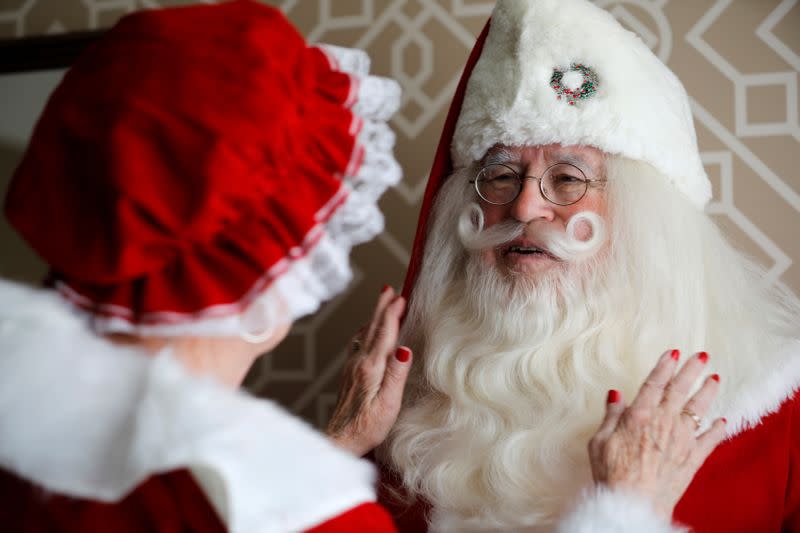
(522, 250)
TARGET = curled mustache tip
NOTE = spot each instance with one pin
(474, 236)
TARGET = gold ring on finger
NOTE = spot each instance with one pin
(691, 414)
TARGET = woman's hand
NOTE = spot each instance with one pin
(374, 377)
(651, 448)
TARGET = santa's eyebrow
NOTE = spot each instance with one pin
(572, 159)
(499, 156)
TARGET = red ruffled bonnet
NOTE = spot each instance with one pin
(202, 170)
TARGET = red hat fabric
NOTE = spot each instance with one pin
(202, 170)
(442, 165)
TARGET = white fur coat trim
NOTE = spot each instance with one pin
(640, 109)
(86, 418)
(598, 511)
(753, 387)
(605, 511)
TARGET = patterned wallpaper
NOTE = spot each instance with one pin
(739, 60)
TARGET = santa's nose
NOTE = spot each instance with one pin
(531, 205)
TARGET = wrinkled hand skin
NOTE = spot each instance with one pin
(374, 378)
(651, 448)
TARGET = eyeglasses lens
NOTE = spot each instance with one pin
(564, 184)
(498, 184)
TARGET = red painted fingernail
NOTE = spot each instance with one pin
(715, 377)
(403, 354)
(613, 396)
(724, 420)
(385, 288)
(703, 357)
(675, 354)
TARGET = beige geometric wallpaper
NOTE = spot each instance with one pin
(739, 60)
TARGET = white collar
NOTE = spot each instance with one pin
(83, 417)
(754, 385)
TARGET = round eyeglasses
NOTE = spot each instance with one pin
(560, 184)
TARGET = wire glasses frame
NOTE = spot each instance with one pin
(560, 184)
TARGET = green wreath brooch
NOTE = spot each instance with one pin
(572, 93)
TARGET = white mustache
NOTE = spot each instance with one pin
(565, 246)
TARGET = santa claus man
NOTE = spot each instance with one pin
(562, 247)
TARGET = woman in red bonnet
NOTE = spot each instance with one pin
(195, 184)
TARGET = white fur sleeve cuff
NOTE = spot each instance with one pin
(607, 511)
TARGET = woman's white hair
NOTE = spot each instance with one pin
(511, 374)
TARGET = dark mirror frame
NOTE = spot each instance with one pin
(45, 52)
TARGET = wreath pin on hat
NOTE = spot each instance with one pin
(578, 82)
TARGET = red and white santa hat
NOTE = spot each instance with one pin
(201, 170)
(565, 71)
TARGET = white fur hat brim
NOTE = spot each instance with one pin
(640, 109)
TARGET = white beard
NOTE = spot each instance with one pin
(517, 370)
